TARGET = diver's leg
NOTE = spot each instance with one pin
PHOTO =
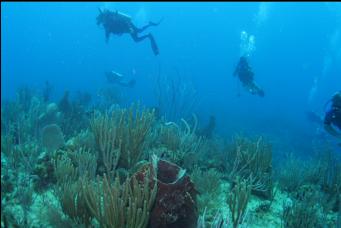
(137, 38)
(146, 26)
(153, 44)
(260, 92)
(249, 87)
(142, 29)
(255, 89)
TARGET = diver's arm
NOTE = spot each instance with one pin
(155, 23)
(328, 124)
(332, 131)
(139, 30)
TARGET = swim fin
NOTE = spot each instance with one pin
(155, 23)
(153, 44)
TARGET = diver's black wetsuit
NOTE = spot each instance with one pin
(118, 24)
(244, 72)
(245, 75)
(333, 116)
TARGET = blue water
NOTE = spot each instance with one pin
(295, 44)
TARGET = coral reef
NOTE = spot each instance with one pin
(238, 200)
(121, 136)
(126, 205)
(51, 115)
(207, 183)
(180, 144)
(252, 161)
(63, 165)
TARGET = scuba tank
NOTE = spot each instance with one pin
(125, 16)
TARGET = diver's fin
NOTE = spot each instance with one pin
(155, 24)
(153, 44)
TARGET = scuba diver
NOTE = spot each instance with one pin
(118, 23)
(332, 118)
(314, 117)
(245, 75)
(116, 78)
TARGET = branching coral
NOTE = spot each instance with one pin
(218, 221)
(105, 132)
(294, 173)
(73, 203)
(116, 205)
(84, 139)
(207, 182)
(330, 179)
(112, 204)
(64, 170)
(302, 213)
(22, 119)
(238, 200)
(19, 157)
(69, 166)
(183, 145)
(322, 170)
(28, 123)
(252, 161)
(133, 129)
(190, 142)
(120, 136)
(86, 162)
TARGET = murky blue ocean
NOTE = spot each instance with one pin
(138, 107)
